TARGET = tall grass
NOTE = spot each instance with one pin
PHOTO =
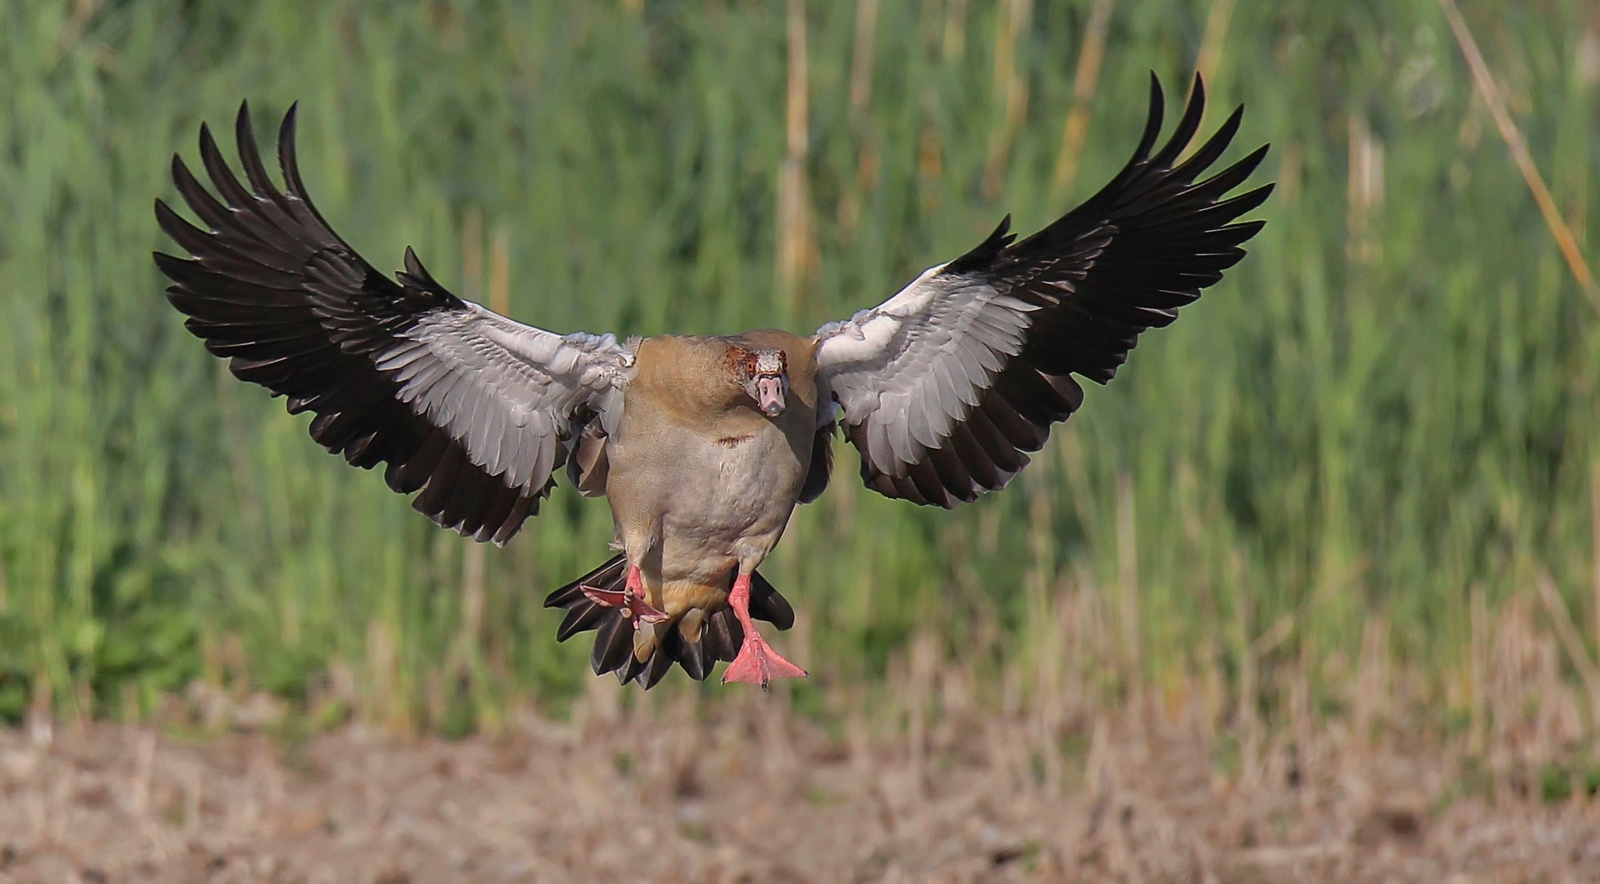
(1388, 407)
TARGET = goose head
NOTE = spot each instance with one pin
(763, 373)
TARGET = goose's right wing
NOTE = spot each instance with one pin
(473, 410)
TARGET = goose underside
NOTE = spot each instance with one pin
(720, 638)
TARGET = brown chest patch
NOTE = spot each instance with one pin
(730, 441)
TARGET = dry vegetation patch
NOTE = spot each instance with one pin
(749, 792)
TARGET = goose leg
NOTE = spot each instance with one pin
(757, 662)
(631, 599)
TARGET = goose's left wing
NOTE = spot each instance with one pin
(948, 384)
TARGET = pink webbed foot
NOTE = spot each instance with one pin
(756, 662)
(631, 599)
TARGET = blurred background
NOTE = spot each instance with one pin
(1358, 481)
(1313, 585)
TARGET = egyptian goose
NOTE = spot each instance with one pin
(703, 445)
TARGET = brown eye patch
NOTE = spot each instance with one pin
(740, 361)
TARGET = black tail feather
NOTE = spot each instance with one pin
(766, 604)
(691, 655)
(613, 573)
(613, 646)
(720, 638)
(581, 617)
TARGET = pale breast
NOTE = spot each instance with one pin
(735, 485)
(712, 480)
(708, 498)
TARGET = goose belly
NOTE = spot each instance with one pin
(711, 502)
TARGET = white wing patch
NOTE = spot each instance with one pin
(911, 368)
(503, 389)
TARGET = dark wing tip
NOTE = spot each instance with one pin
(984, 253)
(1258, 196)
(290, 124)
(1152, 122)
(1188, 125)
(243, 131)
(171, 265)
(250, 155)
(286, 151)
(1197, 98)
(1247, 166)
(208, 142)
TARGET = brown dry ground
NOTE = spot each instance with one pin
(676, 791)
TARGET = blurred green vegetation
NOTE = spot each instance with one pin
(1391, 403)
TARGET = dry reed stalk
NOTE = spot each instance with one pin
(390, 706)
(1490, 93)
(1372, 684)
(1291, 167)
(1478, 663)
(1207, 697)
(40, 718)
(1010, 90)
(472, 252)
(1075, 611)
(1364, 191)
(795, 246)
(1245, 712)
(930, 164)
(500, 273)
(600, 710)
(922, 667)
(1097, 773)
(1041, 571)
(863, 52)
(1572, 643)
(1215, 35)
(1594, 516)
(1128, 593)
(955, 31)
(144, 774)
(1302, 725)
(246, 499)
(1510, 669)
(1084, 82)
(1056, 691)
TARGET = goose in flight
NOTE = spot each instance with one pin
(702, 445)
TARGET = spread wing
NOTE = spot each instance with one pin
(948, 384)
(473, 410)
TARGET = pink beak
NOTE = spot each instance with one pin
(770, 394)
